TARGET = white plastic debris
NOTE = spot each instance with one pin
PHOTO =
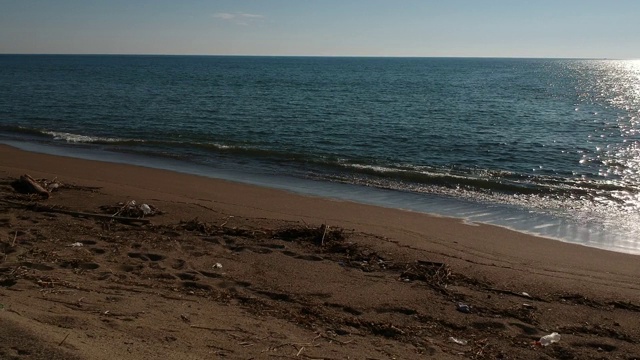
(458, 341)
(549, 339)
(217, 266)
(526, 294)
(76, 244)
(463, 308)
(146, 209)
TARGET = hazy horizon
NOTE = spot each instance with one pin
(321, 56)
(589, 29)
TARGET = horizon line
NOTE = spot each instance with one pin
(324, 56)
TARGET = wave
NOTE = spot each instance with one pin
(490, 181)
(362, 171)
(61, 136)
(77, 138)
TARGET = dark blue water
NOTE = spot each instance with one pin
(555, 141)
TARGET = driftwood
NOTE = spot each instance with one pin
(41, 208)
(27, 184)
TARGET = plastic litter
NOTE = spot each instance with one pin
(458, 341)
(549, 339)
(217, 266)
(526, 294)
(76, 244)
(463, 308)
(131, 209)
(146, 209)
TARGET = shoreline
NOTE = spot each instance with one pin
(105, 172)
(230, 269)
(510, 217)
(257, 201)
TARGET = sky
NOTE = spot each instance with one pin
(421, 28)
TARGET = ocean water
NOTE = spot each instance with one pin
(547, 146)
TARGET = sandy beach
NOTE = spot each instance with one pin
(227, 270)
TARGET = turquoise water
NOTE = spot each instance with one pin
(548, 146)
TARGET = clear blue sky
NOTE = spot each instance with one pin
(493, 28)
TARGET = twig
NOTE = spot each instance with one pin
(509, 292)
(120, 210)
(300, 351)
(13, 244)
(226, 221)
(324, 234)
(65, 338)
(212, 329)
(336, 340)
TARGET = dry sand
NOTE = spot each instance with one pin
(376, 284)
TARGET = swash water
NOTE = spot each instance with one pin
(547, 146)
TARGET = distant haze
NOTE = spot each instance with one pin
(469, 28)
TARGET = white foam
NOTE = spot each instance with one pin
(76, 138)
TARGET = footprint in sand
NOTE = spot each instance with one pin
(261, 250)
(79, 265)
(178, 264)
(97, 251)
(308, 257)
(188, 276)
(195, 285)
(210, 274)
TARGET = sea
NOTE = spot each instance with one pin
(544, 146)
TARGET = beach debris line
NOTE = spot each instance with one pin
(433, 272)
(57, 209)
(28, 185)
(333, 243)
(131, 209)
(321, 236)
(212, 229)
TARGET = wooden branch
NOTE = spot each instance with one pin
(32, 186)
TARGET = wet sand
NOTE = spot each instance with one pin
(374, 283)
